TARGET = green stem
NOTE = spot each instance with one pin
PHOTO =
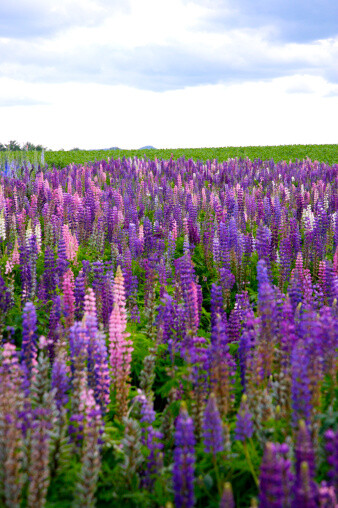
(218, 479)
(247, 456)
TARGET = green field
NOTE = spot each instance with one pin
(322, 153)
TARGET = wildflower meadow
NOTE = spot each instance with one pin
(169, 333)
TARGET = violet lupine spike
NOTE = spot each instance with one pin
(189, 291)
(300, 385)
(275, 481)
(213, 436)
(78, 345)
(60, 383)
(98, 368)
(107, 299)
(304, 452)
(55, 327)
(5, 297)
(91, 454)
(221, 367)
(216, 303)
(244, 425)
(267, 312)
(184, 460)
(331, 449)
(38, 470)
(62, 262)
(29, 339)
(227, 499)
(79, 293)
(305, 495)
(50, 276)
(152, 439)
(247, 342)
(295, 290)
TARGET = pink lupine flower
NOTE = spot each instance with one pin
(119, 294)
(68, 297)
(120, 349)
(71, 242)
(90, 303)
(11, 438)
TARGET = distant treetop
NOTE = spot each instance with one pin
(14, 146)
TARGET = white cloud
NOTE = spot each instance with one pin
(100, 73)
(157, 45)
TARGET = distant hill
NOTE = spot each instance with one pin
(147, 147)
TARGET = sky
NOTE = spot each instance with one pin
(168, 73)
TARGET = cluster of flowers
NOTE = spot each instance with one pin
(230, 270)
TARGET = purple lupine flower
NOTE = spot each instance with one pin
(50, 275)
(221, 366)
(275, 481)
(152, 439)
(91, 456)
(184, 460)
(227, 280)
(263, 243)
(295, 290)
(300, 388)
(216, 303)
(224, 246)
(305, 494)
(244, 426)
(5, 298)
(227, 499)
(55, 325)
(304, 452)
(247, 343)
(29, 338)
(60, 382)
(331, 448)
(212, 427)
(38, 471)
(185, 272)
(98, 369)
(62, 262)
(79, 293)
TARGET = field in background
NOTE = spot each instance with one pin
(322, 153)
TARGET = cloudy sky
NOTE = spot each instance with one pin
(168, 73)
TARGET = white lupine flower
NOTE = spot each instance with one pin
(29, 233)
(308, 217)
(38, 235)
(277, 258)
(2, 226)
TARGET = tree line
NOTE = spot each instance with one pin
(14, 146)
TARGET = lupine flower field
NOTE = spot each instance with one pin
(169, 334)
